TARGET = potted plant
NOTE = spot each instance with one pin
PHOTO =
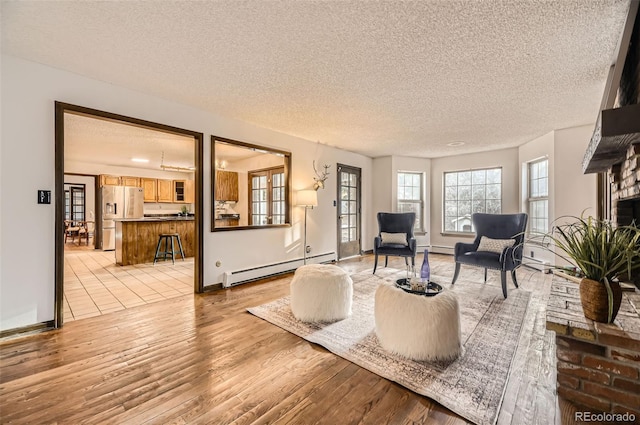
(601, 252)
(184, 210)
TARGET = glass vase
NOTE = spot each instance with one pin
(425, 270)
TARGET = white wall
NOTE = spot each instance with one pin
(383, 182)
(505, 158)
(29, 91)
(576, 192)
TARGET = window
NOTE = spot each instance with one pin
(538, 202)
(267, 196)
(410, 196)
(74, 202)
(468, 192)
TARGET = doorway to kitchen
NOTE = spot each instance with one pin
(87, 272)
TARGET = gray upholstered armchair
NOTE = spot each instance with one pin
(498, 246)
(395, 237)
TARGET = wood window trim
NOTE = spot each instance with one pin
(268, 172)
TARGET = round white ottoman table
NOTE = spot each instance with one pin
(416, 326)
(321, 293)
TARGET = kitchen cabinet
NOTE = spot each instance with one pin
(227, 222)
(226, 186)
(189, 192)
(150, 187)
(107, 180)
(165, 190)
(178, 190)
(130, 181)
(183, 191)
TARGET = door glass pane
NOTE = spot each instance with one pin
(344, 178)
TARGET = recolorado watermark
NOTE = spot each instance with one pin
(604, 417)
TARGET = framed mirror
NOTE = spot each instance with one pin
(251, 186)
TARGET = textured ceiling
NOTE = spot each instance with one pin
(374, 77)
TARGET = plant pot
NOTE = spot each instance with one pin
(595, 301)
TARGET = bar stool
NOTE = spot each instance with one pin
(166, 237)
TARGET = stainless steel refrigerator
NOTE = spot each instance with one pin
(119, 202)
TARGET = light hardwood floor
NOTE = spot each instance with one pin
(204, 359)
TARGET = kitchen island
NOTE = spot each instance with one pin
(137, 238)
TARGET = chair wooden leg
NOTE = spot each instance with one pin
(375, 263)
(513, 277)
(386, 260)
(503, 280)
(485, 275)
(456, 273)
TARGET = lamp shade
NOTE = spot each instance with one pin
(307, 198)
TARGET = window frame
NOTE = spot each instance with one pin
(269, 173)
(71, 206)
(444, 231)
(419, 227)
(531, 199)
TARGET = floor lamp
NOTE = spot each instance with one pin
(307, 199)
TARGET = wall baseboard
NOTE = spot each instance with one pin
(27, 330)
(536, 264)
(256, 273)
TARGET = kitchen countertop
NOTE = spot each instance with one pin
(176, 218)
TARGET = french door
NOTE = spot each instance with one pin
(349, 220)
(74, 203)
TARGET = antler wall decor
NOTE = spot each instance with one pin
(321, 177)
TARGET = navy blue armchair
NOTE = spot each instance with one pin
(395, 237)
(498, 246)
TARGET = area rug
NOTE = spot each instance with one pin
(471, 386)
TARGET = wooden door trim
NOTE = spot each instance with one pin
(60, 109)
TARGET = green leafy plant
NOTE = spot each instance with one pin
(184, 210)
(600, 250)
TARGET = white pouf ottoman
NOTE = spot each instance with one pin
(321, 293)
(417, 326)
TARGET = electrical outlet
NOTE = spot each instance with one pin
(532, 254)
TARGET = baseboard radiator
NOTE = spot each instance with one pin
(441, 249)
(536, 264)
(238, 277)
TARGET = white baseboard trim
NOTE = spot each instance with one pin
(238, 277)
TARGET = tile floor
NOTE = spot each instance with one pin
(95, 285)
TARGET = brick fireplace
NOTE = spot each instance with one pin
(624, 179)
(598, 365)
